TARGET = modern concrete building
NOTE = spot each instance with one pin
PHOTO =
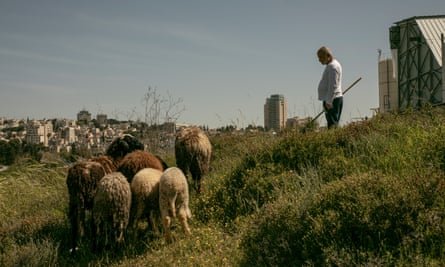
(101, 119)
(417, 47)
(84, 115)
(275, 113)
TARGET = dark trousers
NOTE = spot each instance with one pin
(333, 115)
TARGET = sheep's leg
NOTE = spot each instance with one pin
(105, 243)
(95, 233)
(182, 216)
(171, 206)
(196, 177)
(167, 232)
(77, 215)
(119, 238)
(153, 223)
(198, 182)
(135, 214)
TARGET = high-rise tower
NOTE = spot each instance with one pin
(275, 113)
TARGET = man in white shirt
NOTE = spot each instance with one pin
(329, 88)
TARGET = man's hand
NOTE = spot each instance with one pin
(328, 106)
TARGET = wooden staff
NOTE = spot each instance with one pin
(344, 92)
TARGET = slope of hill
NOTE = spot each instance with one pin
(371, 193)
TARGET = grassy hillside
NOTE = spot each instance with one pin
(362, 195)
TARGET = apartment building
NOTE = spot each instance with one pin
(275, 112)
(39, 132)
(84, 115)
(101, 119)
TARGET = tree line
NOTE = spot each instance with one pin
(15, 148)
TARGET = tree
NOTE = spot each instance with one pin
(158, 111)
(7, 154)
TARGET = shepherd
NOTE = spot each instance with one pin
(329, 88)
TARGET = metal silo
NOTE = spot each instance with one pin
(388, 90)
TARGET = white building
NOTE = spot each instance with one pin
(70, 135)
(388, 89)
(39, 132)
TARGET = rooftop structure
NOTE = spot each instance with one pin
(417, 45)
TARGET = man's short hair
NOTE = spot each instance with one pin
(325, 50)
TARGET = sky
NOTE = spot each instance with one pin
(219, 60)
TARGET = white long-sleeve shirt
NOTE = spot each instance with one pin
(330, 83)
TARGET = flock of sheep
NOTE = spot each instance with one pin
(128, 183)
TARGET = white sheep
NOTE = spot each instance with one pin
(145, 198)
(111, 210)
(174, 200)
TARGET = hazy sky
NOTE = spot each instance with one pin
(222, 58)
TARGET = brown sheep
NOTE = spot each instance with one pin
(111, 211)
(138, 160)
(83, 177)
(107, 162)
(193, 152)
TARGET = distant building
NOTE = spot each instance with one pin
(101, 119)
(69, 134)
(62, 123)
(275, 113)
(296, 122)
(388, 90)
(84, 116)
(39, 132)
(13, 123)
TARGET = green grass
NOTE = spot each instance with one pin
(370, 194)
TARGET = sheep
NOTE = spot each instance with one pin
(145, 198)
(82, 179)
(111, 211)
(193, 152)
(107, 162)
(138, 160)
(82, 183)
(174, 200)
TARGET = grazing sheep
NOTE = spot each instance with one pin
(111, 211)
(83, 177)
(193, 151)
(107, 162)
(138, 160)
(82, 181)
(123, 145)
(145, 198)
(174, 200)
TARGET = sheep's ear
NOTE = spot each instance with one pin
(133, 143)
